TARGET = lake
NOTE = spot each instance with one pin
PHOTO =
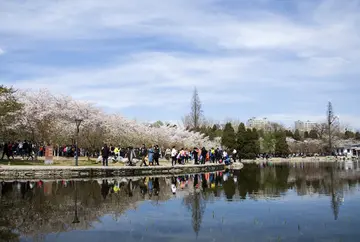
(285, 202)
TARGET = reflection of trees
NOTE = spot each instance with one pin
(196, 204)
(229, 189)
(331, 179)
(50, 207)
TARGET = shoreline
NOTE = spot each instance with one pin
(297, 160)
(68, 172)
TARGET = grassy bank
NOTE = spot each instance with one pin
(83, 161)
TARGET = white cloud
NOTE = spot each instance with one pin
(1, 51)
(245, 52)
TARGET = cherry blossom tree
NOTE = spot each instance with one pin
(47, 118)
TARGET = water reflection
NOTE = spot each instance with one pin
(34, 209)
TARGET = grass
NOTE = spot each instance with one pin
(83, 161)
(61, 161)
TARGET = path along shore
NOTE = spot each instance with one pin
(67, 172)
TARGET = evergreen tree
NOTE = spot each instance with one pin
(261, 133)
(268, 143)
(256, 142)
(240, 141)
(212, 132)
(9, 106)
(248, 149)
(281, 146)
(349, 135)
(313, 134)
(289, 133)
(297, 135)
(251, 146)
(357, 135)
(228, 138)
(306, 135)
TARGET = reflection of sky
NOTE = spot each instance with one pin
(287, 218)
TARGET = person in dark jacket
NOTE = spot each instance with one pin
(143, 154)
(5, 150)
(156, 155)
(195, 154)
(203, 155)
(105, 151)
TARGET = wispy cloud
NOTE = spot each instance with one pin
(266, 57)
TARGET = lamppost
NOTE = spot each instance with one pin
(76, 219)
(78, 122)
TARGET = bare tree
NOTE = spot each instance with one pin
(194, 119)
(332, 127)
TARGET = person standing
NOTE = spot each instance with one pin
(5, 151)
(156, 155)
(195, 153)
(143, 154)
(130, 155)
(203, 155)
(173, 156)
(105, 155)
(212, 155)
(234, 155)
(151, 156)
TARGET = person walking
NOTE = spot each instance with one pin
(173, 156)
(195, 154)
(143, 154)
(156, 155)
(105, 151)
(5, 151)
(151, 156)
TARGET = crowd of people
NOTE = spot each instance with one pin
(149, 156)
(24, 149)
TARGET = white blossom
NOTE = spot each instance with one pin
(51, 119)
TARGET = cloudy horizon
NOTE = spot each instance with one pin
(283, 60)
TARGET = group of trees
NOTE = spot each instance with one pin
(41, 117)
(275, 140)
(298, 136)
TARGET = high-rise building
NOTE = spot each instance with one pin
(258, 123)
(305, 126)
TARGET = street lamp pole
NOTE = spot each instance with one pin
(78, 122)
(76, 218)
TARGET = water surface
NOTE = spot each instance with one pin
(287, 202)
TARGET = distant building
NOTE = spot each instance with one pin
(305, 126)
(258, 123)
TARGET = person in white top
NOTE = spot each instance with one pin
(234, 155)
(173, 156)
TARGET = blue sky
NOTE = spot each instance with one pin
(265, 58)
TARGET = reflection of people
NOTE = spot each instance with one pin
(105, 188)
(173, 185)
(156, 186)
(173, 188)
(130, 187)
